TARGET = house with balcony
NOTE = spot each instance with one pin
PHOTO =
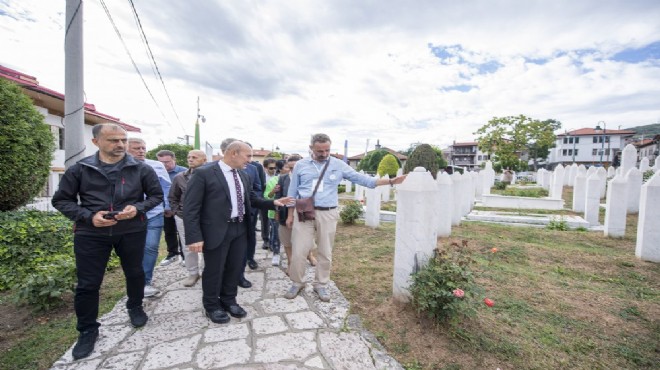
(648, 148)
(589, 146)
(465, 154)
(355, 160)
(50, 104)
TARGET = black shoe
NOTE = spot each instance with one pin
(138, 316)
(252, 264)
(235, 310)
(218, 316)
(85, 344)
(265, 246)
(244, 283)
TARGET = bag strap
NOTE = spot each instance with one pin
(321, 177)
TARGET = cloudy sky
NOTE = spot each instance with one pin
(275, 72)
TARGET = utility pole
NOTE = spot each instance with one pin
(197, 125)
(74, 109)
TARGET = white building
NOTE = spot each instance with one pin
(589, 146)
(50, 103)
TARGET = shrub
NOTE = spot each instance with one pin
(646, 176)
(521, 192)
(388, 166)
(43, 287)
(179, 150)
(423, 156)
(501, 185)
(26, 148)
(445, 288)
(350, 212)
(558, 224)
(341, 188)
(371, 161)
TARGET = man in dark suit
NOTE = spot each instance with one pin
(217, 221)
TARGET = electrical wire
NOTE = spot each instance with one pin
(153, 60)
(107, 12)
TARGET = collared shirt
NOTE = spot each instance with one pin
(229, 177)
(175, 171)
(307, 171)
(165, 184)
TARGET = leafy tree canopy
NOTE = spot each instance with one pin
(507, 137)
(26, 148)
(180, 151)
(388, 166)
(371, 161)
(423, 156)
(442, 162)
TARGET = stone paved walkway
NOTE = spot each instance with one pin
(303, 333)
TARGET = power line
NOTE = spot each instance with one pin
(107, 12)
(153, 59)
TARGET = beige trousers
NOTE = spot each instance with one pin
(304, 234)
(191, 258)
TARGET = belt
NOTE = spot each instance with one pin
(233, 220)
(324, 208)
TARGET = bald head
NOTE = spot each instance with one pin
(196, 158)
(237, 155)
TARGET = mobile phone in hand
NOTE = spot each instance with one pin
(111, 215)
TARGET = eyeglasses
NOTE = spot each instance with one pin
(272, 168)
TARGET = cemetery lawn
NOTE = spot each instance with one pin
(563, 299)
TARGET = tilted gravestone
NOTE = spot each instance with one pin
(648, 224)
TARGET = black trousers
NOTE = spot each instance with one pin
(92, 255)
(171, 237)
(265, 226)
(223, 266)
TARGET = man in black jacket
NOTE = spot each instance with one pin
(104, 195)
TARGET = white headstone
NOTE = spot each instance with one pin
(349, 186)
(539, 177)
(628, 158)
(611, 172)
(615, 209)
(648, 224)
(372, 215)
(592, 199)
(474, 191)
(416, 235)
(445, 206)
(644, 164)
(457, 189)
(572, 172)
(580, 191)
(385, 190)
(557, 182)
(467, 194)
(479, 185)
(399, 172)
(359, 193)
(567, 175)
(547, 183)
(489, 176)
(634, 179)
(602, 175)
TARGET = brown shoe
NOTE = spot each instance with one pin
(312, 260)
(191, 280)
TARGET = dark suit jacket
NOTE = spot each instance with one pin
(207, 206)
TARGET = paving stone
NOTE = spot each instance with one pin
(223, 354)
(268, 325)
(118, 315)
(316, 363)
(226, 332)
(248, 296)
(274, 273)
(123, 361)
(171, 353)
(283, 305)
(305, 320)
(84, 365)
(164, 328)
(180, 300)
(282, 347)
(345, 351)
(277, 288)
(277, 366)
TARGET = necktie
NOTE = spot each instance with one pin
(239, 197)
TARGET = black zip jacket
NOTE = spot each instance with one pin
(85, 189)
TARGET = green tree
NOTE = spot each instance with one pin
(26, 148)
(442, 162)
(371, 161)
(507, 137)
(423, 156)
(388, 166)
(180, 151)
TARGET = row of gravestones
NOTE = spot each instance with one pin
(426, 209)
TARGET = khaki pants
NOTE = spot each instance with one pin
(191, 258)
(304, 234)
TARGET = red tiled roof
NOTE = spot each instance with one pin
(643, 142)
(590, 132)
(30, 83)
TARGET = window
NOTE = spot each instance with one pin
(565, 140)
(594, 152)
(576, 152)
(607, 151)
(595, 139)
(564, 152)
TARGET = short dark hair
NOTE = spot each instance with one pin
(165, 152)
(293, 158)
(320, 138)
(225, 143)
(268, 161)
(96, 129)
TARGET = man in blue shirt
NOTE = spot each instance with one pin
(304, 177)
(168, 159)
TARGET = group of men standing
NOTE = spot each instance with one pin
(123, 202)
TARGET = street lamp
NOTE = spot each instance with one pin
(197, 125)
(602, 143)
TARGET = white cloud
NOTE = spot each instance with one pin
(274, 72)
